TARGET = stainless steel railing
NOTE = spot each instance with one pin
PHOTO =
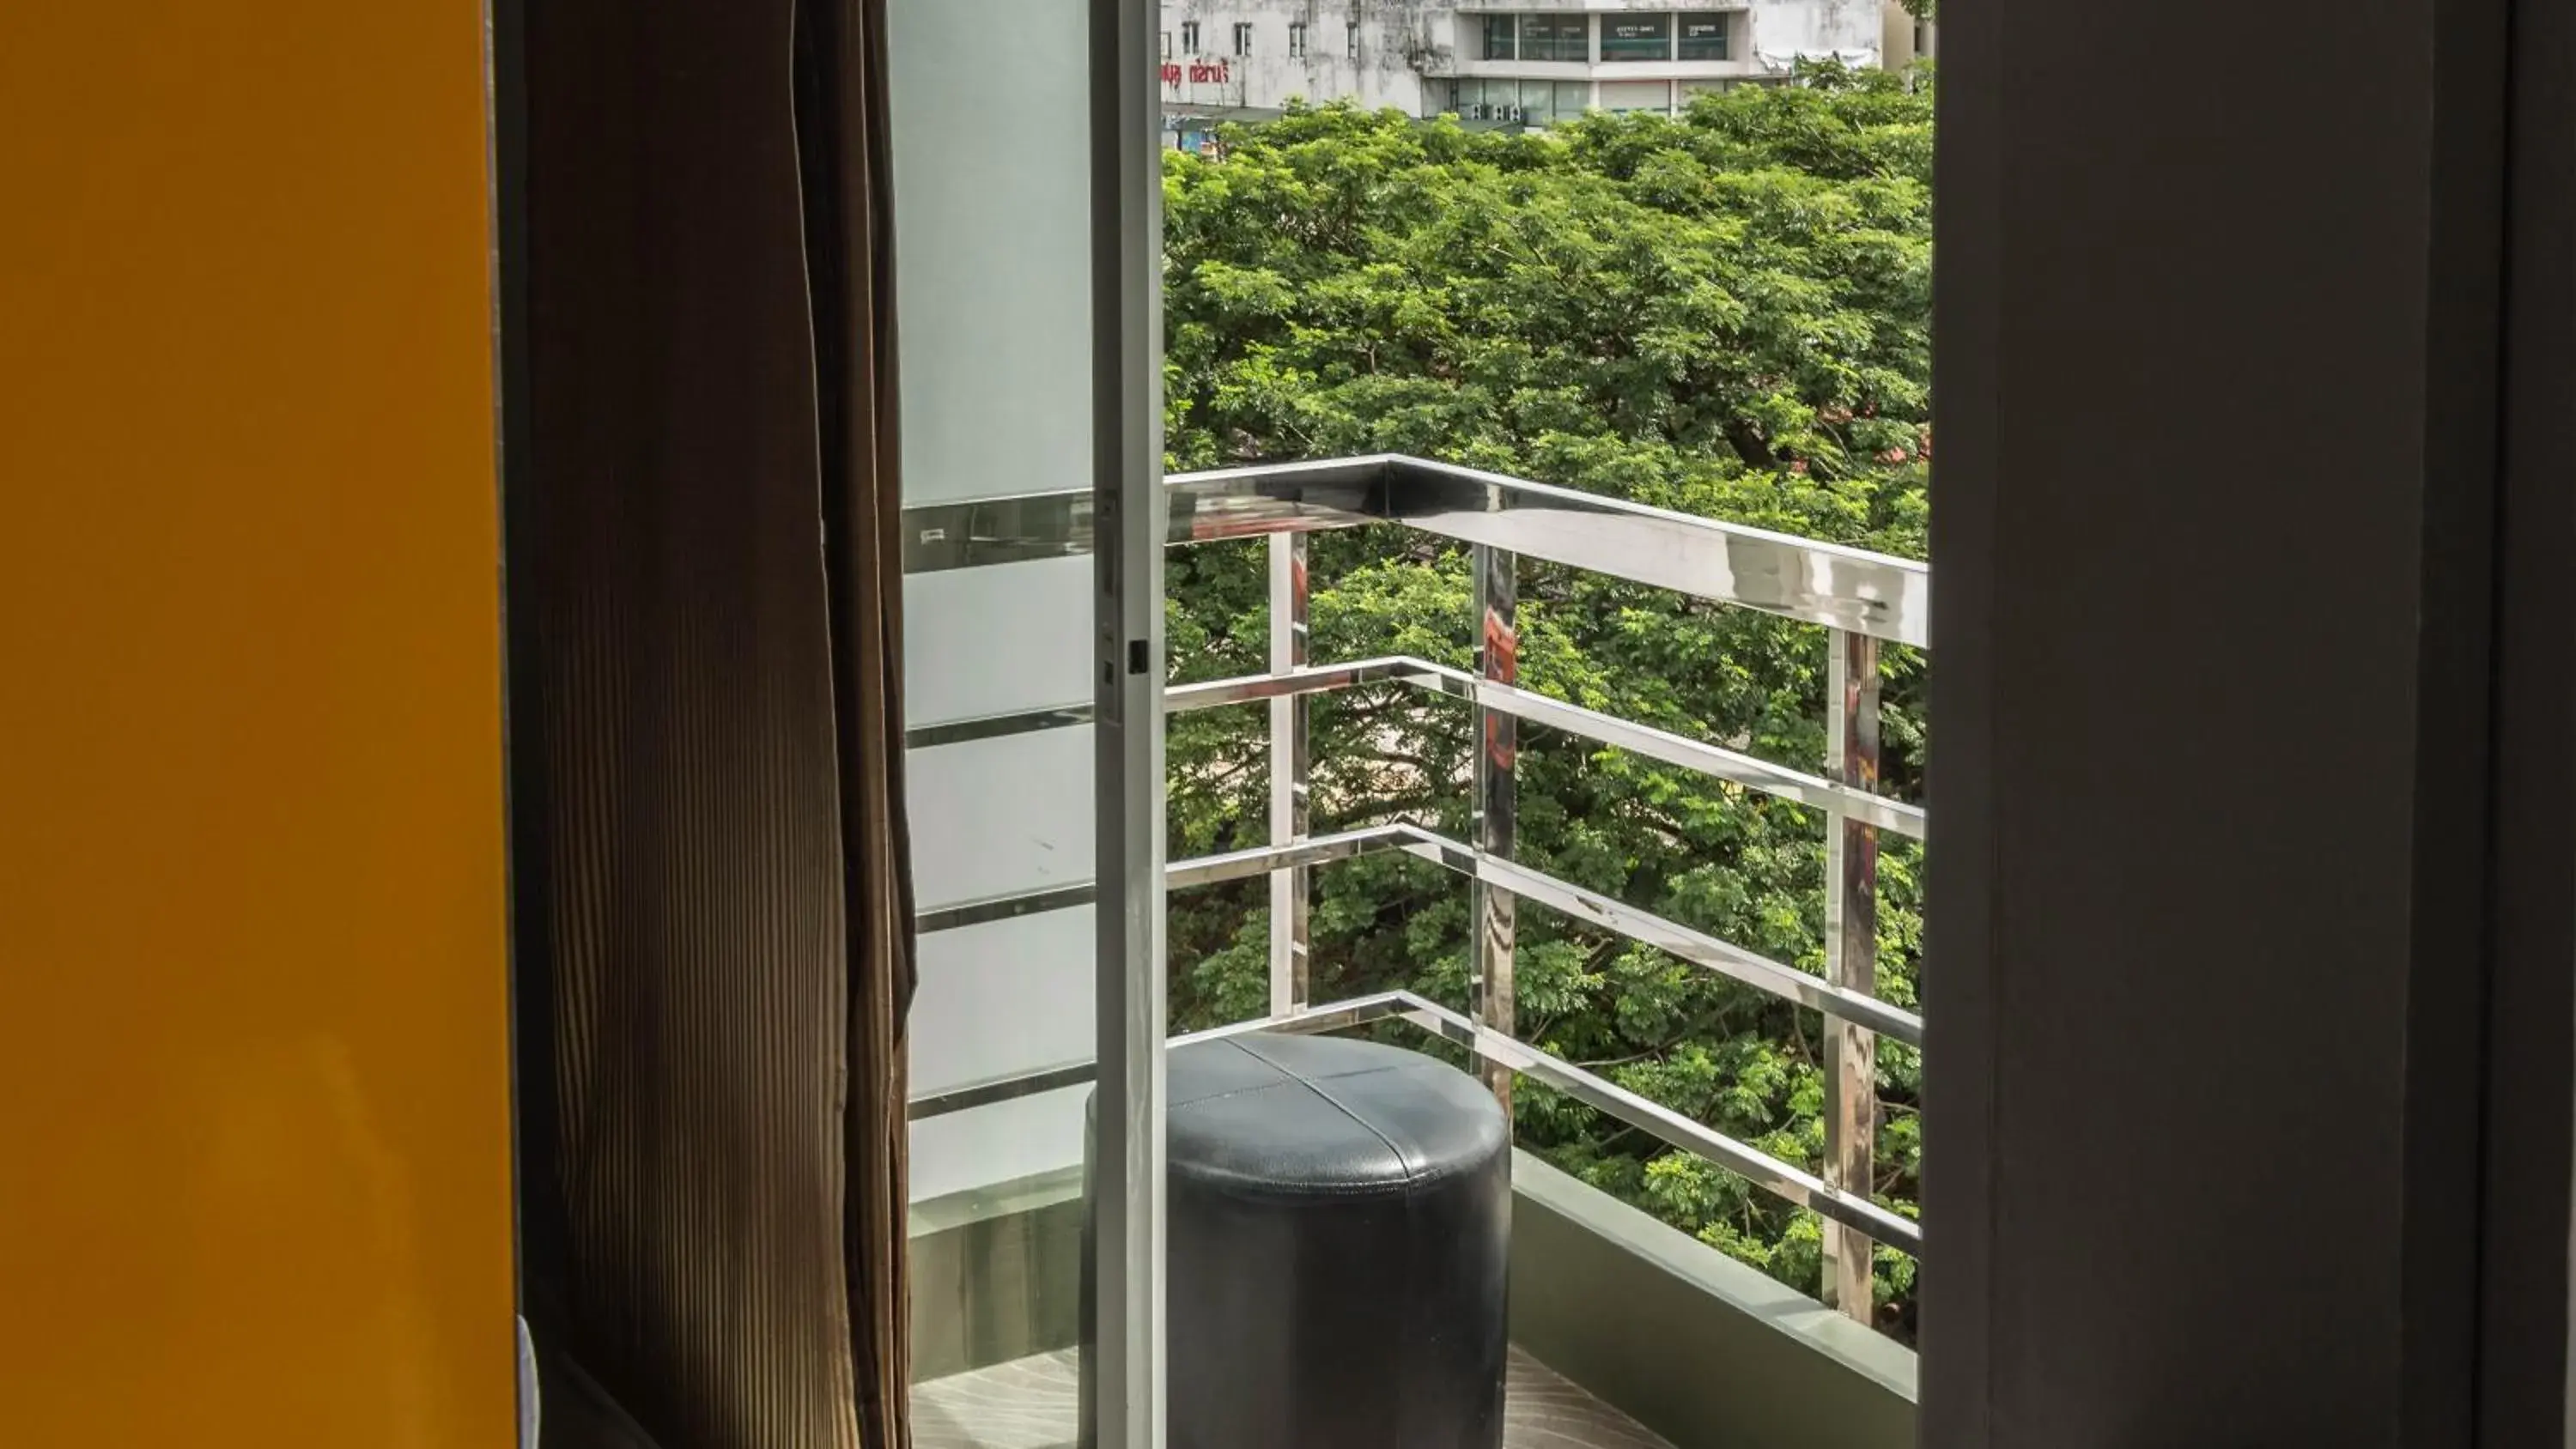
(1864, 600)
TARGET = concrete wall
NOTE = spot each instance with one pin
(1395, 37)
(1786, 31)
(1403, 41)
(1897, 35)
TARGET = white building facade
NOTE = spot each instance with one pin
(1532, 62)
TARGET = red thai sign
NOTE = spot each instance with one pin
(1197, 72)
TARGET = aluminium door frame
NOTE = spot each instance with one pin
(1129, 512)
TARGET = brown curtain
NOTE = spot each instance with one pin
(713, 906)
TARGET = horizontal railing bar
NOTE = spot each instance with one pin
(1263, 859)
(1808, 579)
(1825, 583)
(1876, 594)
(988, 909)
(1709, 952)
(1206, 508)
(1318, 679)
(1792, 1184)
(1204, 870)
(1781, 1179)
(1644, 927)
(996, 726)
(1277, 498)
(1338, 1016)
(993, 1091)
(1026, 528)
(1341, 1015)
(1715, 761)
(1700, 949)
(1880, 595)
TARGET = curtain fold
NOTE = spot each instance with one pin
(709, 855)
(842, 124)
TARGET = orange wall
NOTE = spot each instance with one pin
(253, 1068)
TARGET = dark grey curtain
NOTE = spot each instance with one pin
(713, 910)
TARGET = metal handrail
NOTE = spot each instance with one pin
(1864, 599)
(1715, 761)
(1791, 1184)
(1876, 594)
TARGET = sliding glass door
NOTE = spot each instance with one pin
(1026, 144)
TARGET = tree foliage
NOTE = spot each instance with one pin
(1725, 314)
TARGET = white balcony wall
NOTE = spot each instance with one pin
(993, 221)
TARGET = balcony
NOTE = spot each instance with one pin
(1707, 42)
(1631, 1332)
(1741, 68)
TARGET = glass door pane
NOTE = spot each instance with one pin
(1015, 876)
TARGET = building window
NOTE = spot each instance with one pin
(1296, 37)
(1351, 40)
(1242, 38)
(1493, 102)
(1167, 45)
(1502, 35)
(1705, 35)
(1556, 37)
(1623, 97)
(1636, 37)
(1189, 37)
(1499, 101)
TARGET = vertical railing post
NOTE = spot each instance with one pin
(1851, 961)
(1491, 916)
(1289, 764)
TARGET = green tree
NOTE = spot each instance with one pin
(1726, 314)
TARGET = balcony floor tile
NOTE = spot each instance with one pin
(1031, 1404)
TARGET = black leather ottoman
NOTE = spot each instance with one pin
(1338, 1240)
